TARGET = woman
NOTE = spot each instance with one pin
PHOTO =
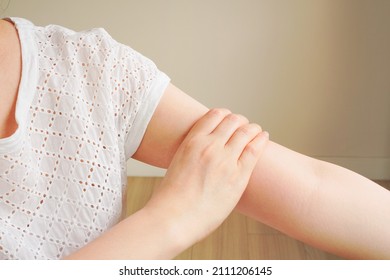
(77, 105)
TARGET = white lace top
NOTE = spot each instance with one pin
(83, 105)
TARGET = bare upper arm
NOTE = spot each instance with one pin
(173, 118)
(280, 173)
(176, 114)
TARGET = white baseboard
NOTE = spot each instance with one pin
(372, 168)
(139, 169)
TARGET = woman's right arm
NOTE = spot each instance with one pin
(142, 235)
(203, 184)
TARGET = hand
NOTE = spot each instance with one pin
(208, 174)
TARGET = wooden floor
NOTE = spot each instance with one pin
(239, 237)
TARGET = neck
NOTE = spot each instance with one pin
(3, 41)
(10, 72)
(10, 54)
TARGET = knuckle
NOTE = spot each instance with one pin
(219, 112)
(233, 118)
(249, 130)
(251, 149)
(237, 119)
(200, 150)
(244, 119)
(257, 127)
(244, 130)
(192, 145)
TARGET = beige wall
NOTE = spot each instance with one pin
(316, 74)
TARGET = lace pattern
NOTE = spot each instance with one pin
(63, 185)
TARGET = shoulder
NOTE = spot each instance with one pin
(61, 38)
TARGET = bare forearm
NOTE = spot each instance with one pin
(143, 235)
(319, 203)
(354, 211)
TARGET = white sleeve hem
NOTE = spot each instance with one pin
(144, 115)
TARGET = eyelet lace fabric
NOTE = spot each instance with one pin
(83, 106)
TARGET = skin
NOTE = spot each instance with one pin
(319, 203)
(10, 72)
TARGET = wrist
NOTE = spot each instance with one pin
(175, 225)
(172, 233)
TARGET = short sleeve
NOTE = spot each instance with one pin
(83, 106)
(137, 86)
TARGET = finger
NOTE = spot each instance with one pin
(253, 150)
(228, 126)
(241, 137)
(208, 122)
